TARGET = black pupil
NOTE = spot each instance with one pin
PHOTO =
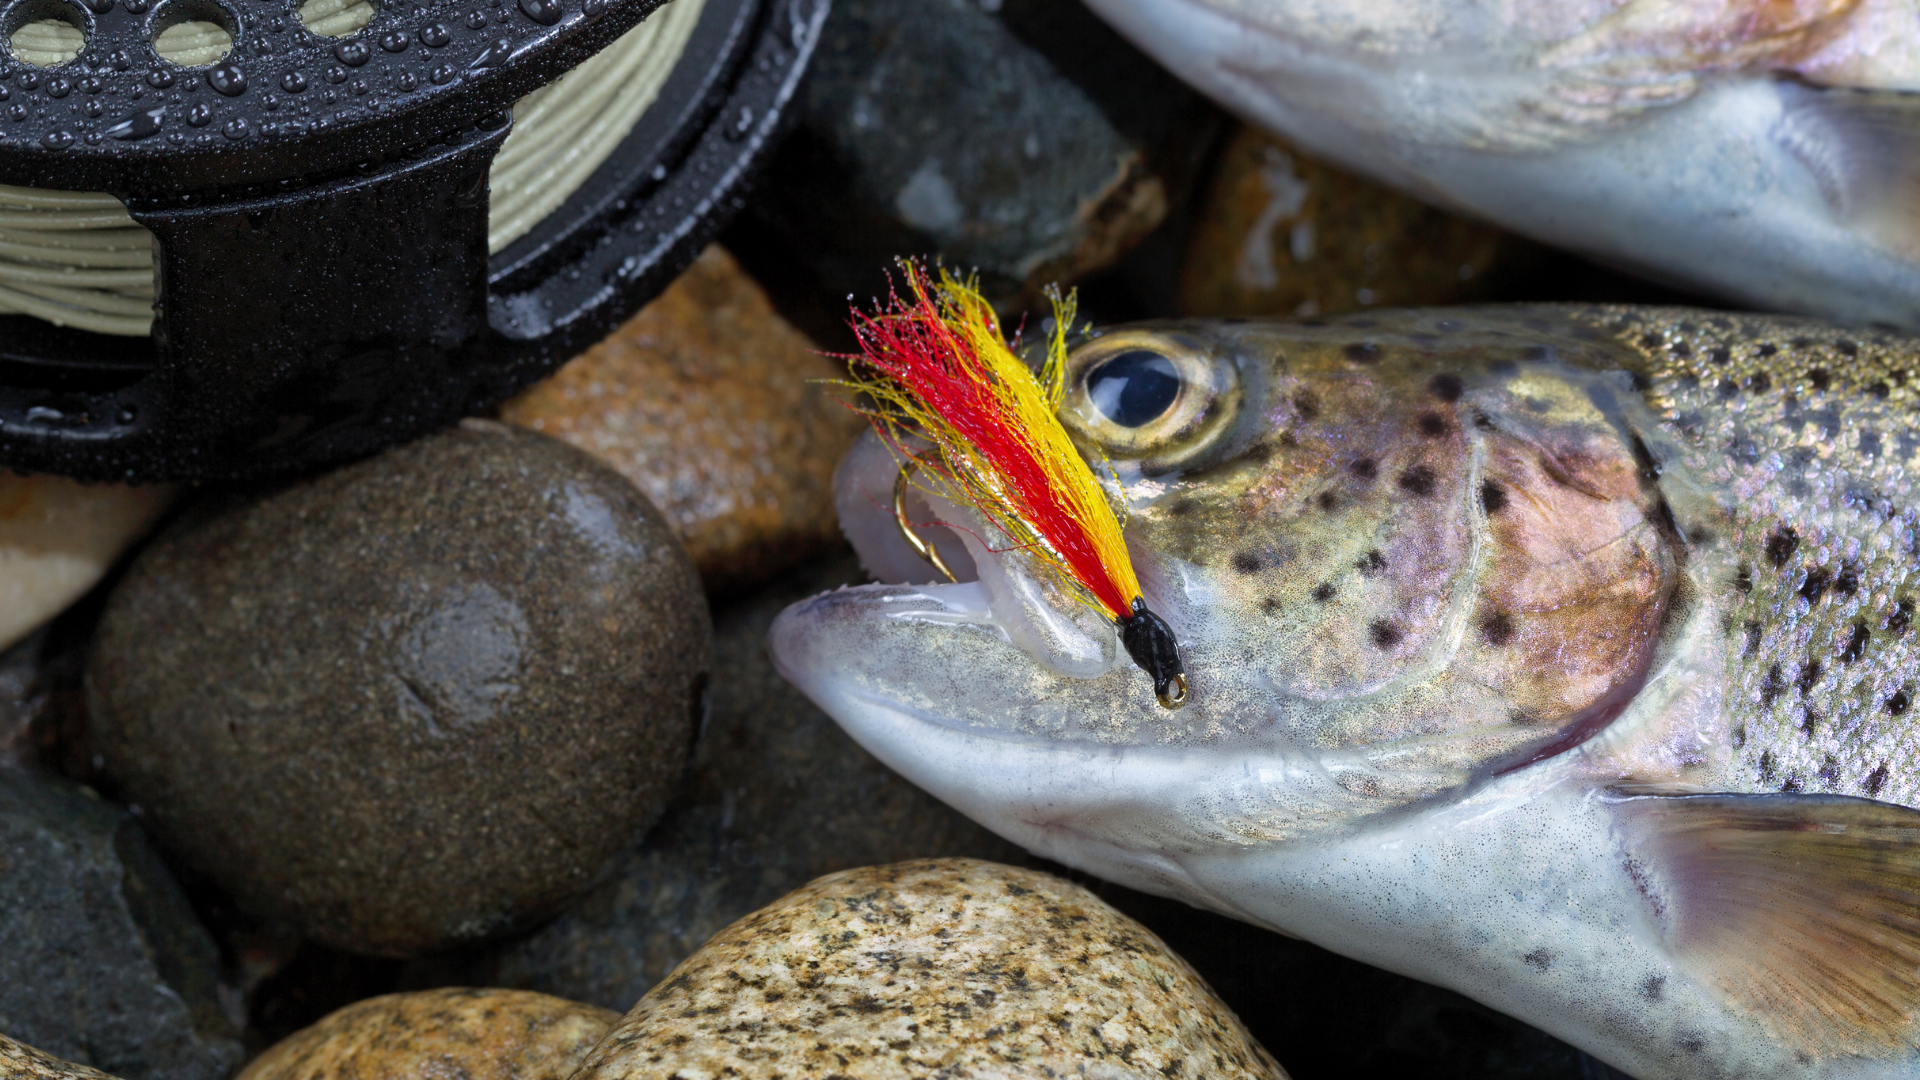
(1134, 388)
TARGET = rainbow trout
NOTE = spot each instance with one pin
(1563, 656)
(1766, 151)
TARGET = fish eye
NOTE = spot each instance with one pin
(1135, 388)
(1140, 393)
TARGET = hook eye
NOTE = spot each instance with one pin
(920, 547)
(1174, 694)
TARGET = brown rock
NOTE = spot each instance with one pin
(1283, 234)
(437, 1034)
(947, 967)
(18, 1061)
(705, 400)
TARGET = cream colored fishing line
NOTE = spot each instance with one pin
(76, 258)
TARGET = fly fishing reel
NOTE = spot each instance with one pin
(317, 195)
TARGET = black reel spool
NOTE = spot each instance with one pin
(324, 287)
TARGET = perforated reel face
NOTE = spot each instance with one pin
(334, 310)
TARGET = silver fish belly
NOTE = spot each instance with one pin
(1561, 656)
(1762, 152)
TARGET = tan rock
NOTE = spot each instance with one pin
(18, 1061)
(57, 537)
(941, 967)
(1282, 234)
(705, 401)
(438, 1034)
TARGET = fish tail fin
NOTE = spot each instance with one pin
(1863, 148)
(1804, 910)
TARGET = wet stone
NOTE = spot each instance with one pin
(1279, 233)
(19, 1061)
(104, 963)
(474, 1034)
(57, 537)
(417, 701)
(710, 403)
(1066, 148)
(936, 967)
(777, 796)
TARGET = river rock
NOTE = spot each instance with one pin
(777, 796)
(432, 1034)
(417, 701)
(103, 963)
(710, 402)
(57, 537)
(941, 967)
(18, 1061)
(1024, 140)
(1280, 233)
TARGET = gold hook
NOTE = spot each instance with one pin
(921, 547)
(1176, 696)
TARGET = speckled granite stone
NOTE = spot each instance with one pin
(942, 967)
(420, 700)
(18, 1061)
(441, 1034)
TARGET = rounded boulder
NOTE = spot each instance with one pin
(420, 700)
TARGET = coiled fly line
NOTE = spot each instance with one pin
(77, 259)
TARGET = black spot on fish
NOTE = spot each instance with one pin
(1770, 687)
(1307, 404)
(1497, 628)
(1815, 586)
(1699, 534)
(1856, 644)
(1743, 578)
(1417, 481)
(1791, 784)
(1385, 634)
(1482, 421)
(1901, 619)
(1720, 354)
(1653, 987)
(1268, 605)
(1323, 592)
(1728, 388)
(1447, 387)
(1650, 340)
(1371, 563)
(1493, 497)
(1362, 352)
(1847, 348)
(1328, 501)
(1690, 1041)
(1830, 771)
(1432, 426)
(1809, 722)
(1640, 382)
(1897, 704)
(1801, 343)
(1781, 546)
(1809, 675)
(1879, 389)
(1739, 736)
(1753, 638)
(1767, 349)
(1819, 378)
(1363, 468)
(1246, 562)
(1869, 444)
(1539, 959)
(1767, 767)
(1847, 582)
(1877, 779)
(1759, 383)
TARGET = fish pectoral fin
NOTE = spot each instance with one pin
(1863, 148)
(1804, 910)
